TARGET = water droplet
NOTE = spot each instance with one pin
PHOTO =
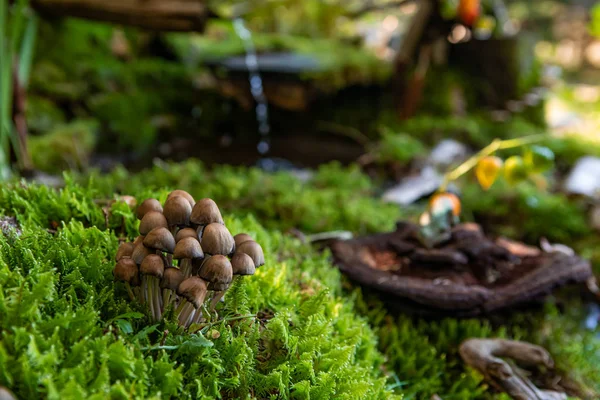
(261, 111)
(263, 147)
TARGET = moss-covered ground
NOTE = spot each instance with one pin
(68, 332)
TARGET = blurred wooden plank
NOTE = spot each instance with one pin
(163, 15)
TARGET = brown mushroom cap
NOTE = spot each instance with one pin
(241, 238)
(127, 271)
(193, 289)
(185, 232)
(125, 250)
(138, 240)
(171, 279)
(206, 212)
(242, 264)
(177, 211)
(146, 206)
(183, 194)
(153, 265)
(152, 219)
(218, 272)
(160, 239)
(188, 248)
(254, 250)
(216, 239)
(140, 252)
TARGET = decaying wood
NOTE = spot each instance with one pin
(486, 355)
(163, 15)
(469, 273)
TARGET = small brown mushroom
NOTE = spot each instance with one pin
(127, 271)
(216, 239)
(177, 211)
(185, 232)
(183, 194)
(138, 240)
(242, 264)
(169, 283)
(160, 239)
(206, 212)
(140, 252)
(152, 270)
(241, 238)
(151, 220)
(187, 250)
(254, 250)
(193, 290)
(125, 250)
(218, 272)
(146, 206)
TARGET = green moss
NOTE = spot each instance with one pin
(42, 114)
(397, 147)
(68, 332)
(66, 146)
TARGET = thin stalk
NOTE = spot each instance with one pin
(215, 300)
(27, 48)
(149, 295)
(131, 295)
(186, 267)
(188, 308)
(488, 150)
(155, 294)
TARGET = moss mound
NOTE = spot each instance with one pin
(68, 332)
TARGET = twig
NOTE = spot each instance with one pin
(490, 149)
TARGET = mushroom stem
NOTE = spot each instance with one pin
(143, 290)
(155, 294)
(131, 295)
(166, 294)
(147, 283)
(187, 309)
(186, 267)
(215, 300)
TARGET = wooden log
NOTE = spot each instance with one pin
(162, 15)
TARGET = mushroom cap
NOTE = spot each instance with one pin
(194, 290)
(216, 239)
(185, 232)
(151, 220)
(138, 240)
(218, 272)
(177, 211)
(241, 238)
(254, 250)
(242, 264)
(127, 271)
(188, 247)
(160, 239)
(183, 194)
(148, 205)
(171, 279)
(206, 212)
(125, 250)
(153, 265)
(140, 252)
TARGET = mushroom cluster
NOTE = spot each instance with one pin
(184, 255)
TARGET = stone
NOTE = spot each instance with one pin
(584, 178)
(413, 188)
(448, 152)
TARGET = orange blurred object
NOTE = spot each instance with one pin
(468, 11)
(445, 201)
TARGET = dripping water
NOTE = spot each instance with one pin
(256, 85)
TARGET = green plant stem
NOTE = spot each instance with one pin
(210, 325)
(488, 150)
